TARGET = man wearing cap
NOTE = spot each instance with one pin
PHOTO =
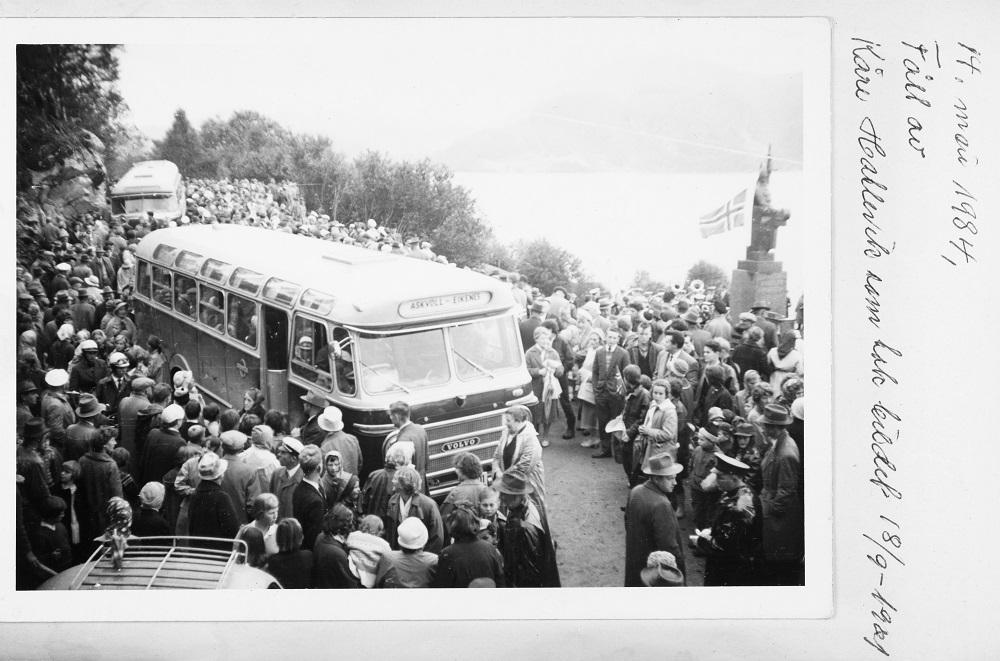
(332, 422)
(782, 527)
(113, 388)
(82, 312)
(528, 326)
(770, 330)
(313, 404)
(728, 544)
(60, 281)
(28, 398)
(242, 481)
(650, 523)
(85, 375)
(285, 479)
(56, 409)
(80, 434)
(128, 412)
(162, 445)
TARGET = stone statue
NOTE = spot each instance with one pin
(766, 219)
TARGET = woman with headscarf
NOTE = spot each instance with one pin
(253, 403)
(784, 359)
(586, 414)
(339, 485)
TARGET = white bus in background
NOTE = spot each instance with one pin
(155, 186)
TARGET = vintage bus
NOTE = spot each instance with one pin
(244, 307)
(155, 186)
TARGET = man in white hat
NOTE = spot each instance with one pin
(332, 422)
(113, 388)
(56, 409)
(285, 479)
(162, 445)
(211, 513)
(650, 523)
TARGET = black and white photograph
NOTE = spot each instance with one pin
(418, 303)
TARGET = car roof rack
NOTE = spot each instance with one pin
(162, 563)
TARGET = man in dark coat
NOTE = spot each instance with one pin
(609, 361)
(211, 513)
(88, 372)
(332, 566)
(782, 525)
(728, 544)
(128, 414)
(770, 330)
(113, 388)
(285, 479)
(99, 482)
(650, 523)
(410, 432)
(749, 355)
(313, 405)
(162, 445)
(527, 326)
(308, 501)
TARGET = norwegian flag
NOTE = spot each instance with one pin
(733, 213)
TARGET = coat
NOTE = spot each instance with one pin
(99, 482)
(294, 570)
(243, 484)
(529, 558)
(423, 508)
(652, 357)
(782, 526)
(128, 412)
(662, 436)
(413, 433)
(331, 565)
(650, 525)
(693, 373)
(527, 461)
(462, 562)
(161, 455)
(308, 506)
(211, 513)
(283, 486)
(605, 379)
(84, 377)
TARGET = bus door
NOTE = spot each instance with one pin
(276, 356)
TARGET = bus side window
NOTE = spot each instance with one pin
(142, 279)
(342, 360)
(211, 311)
(162, 288)
(310, 355)
(185, 295)
(242, 320)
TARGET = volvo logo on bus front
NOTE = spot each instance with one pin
(458, 445)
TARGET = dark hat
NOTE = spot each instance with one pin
(142, 382)
(62, 296)
(514, 484)
(34, 428)
(745, 429)
(662, 465)
(314, 398)
(776, 414)
(760, 305)
(81, 293)
(107, 290)
(537, 307)
(89, 406)
(691, 317)
(26, 386)
(726, 464)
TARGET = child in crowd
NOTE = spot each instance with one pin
(365, 547)
(130, 488)
(702, 462)
(489, 513)
(50, 541)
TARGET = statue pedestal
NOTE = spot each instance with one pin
(754, 281)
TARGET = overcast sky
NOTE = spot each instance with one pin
(410, 87)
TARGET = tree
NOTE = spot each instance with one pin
(708, 273)
(128, 148)
(462, 238)
(546, 266)
(249, 146)
(64, 93)
(182, 146)
(643, 280)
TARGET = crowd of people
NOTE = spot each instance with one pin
(704, 413)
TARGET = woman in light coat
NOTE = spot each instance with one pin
(520, 452)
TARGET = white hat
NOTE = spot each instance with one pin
(172, 414)
(412, 533)
(211, 467)
(331, 419)
(88, 345)
(57, 378)
(118, 359)
(63, 266)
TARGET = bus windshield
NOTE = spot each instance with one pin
(143, 204)
(484, 347)
(402, 362)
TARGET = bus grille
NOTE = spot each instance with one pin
(479, 436)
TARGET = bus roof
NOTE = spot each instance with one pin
(371, 289)
(148, 177)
